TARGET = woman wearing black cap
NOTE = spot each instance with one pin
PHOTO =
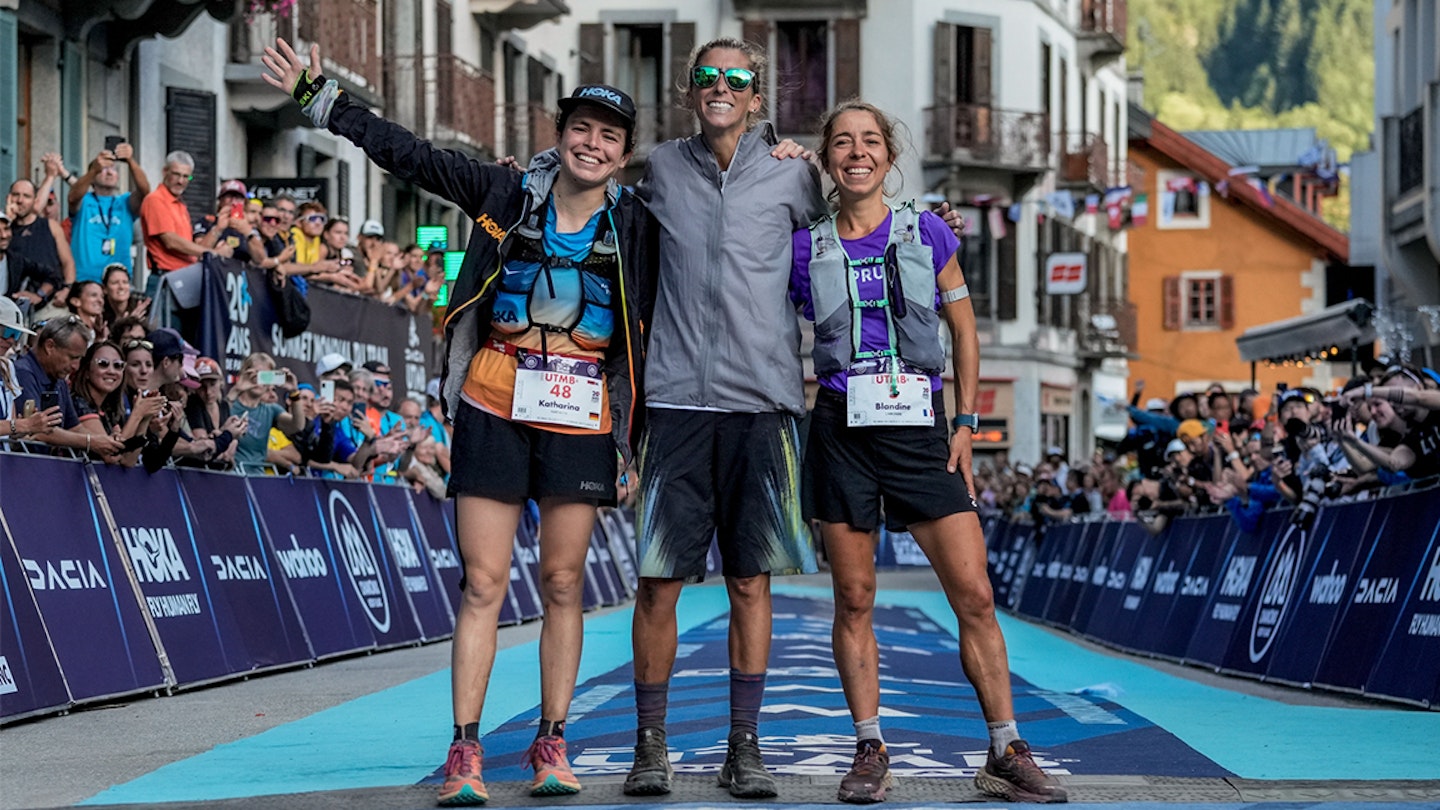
(543, 360)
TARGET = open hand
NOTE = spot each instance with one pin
(285, 66)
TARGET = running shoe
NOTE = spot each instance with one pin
(869, 775)
(744, 771)
(553, 776)
(1015, 777)
(463, 785)
(651, 774)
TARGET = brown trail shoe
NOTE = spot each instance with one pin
(1015, 777)
(869, 775)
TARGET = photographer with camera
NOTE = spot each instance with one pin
(103, 218)
(1403, 392)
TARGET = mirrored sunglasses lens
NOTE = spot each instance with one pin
(705, 76)
(739, 78)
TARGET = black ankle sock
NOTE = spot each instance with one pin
(551, 728)
(469, 731)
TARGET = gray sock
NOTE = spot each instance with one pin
(1001, 735)
(869, 729)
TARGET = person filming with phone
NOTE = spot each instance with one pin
(103, 222)
(253, 399)
(43, 375)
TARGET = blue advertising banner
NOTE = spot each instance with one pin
(30, 679)
(154, 527)
(241, 570)
(1127, 621)
(411, 556)
(1112, 577)
(366, 562)
(439, 534)
(1045, 568)
(1096, 573)
(600, 564)
(1013, 560)
(1236, 579)
(1157, 602)
(1213, 538)
(1072, 576)
(1397, 559)
(331, 612)
(1325, 574)
(78, 578)
(1414, 646)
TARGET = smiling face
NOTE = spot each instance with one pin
(106, 369)
(857, 153)
(117, 286)
(722, 110)
(592, 146)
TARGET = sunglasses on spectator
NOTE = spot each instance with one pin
(737, 78)
(138, 344)
(103, 363)
(382, 383)
(315, 218)
(11, 333)
(271, 220)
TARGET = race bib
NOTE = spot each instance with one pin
(873, 402)
(569, 394)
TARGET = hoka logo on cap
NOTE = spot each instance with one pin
(601, 92)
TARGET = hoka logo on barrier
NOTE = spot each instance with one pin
(360, 562)
(402, 545)
(1275, 594)
(1237, 577)
(154, 555)
(71, 575)
(1431, 590)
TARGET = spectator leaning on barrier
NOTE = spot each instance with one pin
(276, 251)
(99, 403)
(1404, 391)
(14, 424)
(230, 225)
(43, 374)
(104, 216)
(166, 221)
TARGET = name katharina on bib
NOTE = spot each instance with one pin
(551, 403)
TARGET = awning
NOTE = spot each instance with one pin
(1309, 336)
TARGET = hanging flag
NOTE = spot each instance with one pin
(1264, 190)
(1092, 203)
(1014, 212)
(1140, 210)
(997, 222)
(1062, 204)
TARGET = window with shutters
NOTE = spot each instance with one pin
(648, 60)
(1184, 201)
(1199, 301)
(815, 64)
(190, 127)
(640, 71)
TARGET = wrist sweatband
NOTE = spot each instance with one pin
(306, 88)
(958, 294)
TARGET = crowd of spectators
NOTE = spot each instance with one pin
(132, 397)
(69, 257)
(1237, 451)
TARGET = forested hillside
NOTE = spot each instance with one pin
(1259, 64)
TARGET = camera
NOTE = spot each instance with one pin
(1301, 429)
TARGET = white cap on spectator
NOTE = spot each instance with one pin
(1024, 469)
(1173, 447)
(10, 317)
(432, 388)
(1156, 404)
(372, 228)
(330, 362)
(1055, 451)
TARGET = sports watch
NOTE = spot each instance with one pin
(968, 420)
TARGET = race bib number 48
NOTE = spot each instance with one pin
(873, 402)
(557, 398)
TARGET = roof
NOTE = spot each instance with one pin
(1213, 168)
(1266, 148)
(1343, 324)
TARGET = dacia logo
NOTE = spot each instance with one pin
(71, 575)
(154, 554)
(238, 567)
(600, 92)
(360, 562)
(490, 226)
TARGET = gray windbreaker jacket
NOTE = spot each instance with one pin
(724, 334)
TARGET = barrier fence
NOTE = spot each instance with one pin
(118, 582)
(1348, 600)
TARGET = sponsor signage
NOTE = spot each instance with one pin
(1232, 588)
(1210, 540)
(365, 565)
(77, 577)
(242, 571)
(1415, 642)
(620, 534)
(438, 534)
(525, 565)
(410, 554)
(30, 679)
(1065, 273)
(1072, 575)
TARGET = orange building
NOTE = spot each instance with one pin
(1215, 257)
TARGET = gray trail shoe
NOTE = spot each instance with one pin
(651, 774)
(744, 771)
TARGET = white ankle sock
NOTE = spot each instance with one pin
(1001, 735)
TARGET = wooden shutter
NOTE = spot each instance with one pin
(190, 127)
(444, 28)
(847, 58)
(1225, 305)
(342, 189)
(980, 70)
(1006, 293)
(679, 121)
(592, 53)
(944, 64)
(1172, 303)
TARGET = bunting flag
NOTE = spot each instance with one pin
(1092, 203)
(997, 222)
(1264, 190)
(1062, 204)
(1014, 212)
(1115, 203)
(1140, 210)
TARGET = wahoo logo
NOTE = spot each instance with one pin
(1237, 577)
(7, 678)
(1378, 591)
(1140, 577)
(490, 226)
(600, 92)
(72, 575)
(154, 555)
(1166, 580)
(302, 563)
(1327, 589)
(238, 567)
(1430, 592)
(1275, 593)
(360, 562)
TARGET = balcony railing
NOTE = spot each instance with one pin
(1104, 21)
(347, 31)
(981, 135)
(464, 102)
(1412, 150)
(1085, 161)
(529, 128)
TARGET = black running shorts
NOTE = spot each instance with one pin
(856, 471)
(733, 477)
(510, 461)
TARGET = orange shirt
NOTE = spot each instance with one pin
(490, 382)
(163, 212)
